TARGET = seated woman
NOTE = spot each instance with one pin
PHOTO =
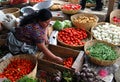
(31, 35)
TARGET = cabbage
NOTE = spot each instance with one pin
(58, 25)
(67, 23)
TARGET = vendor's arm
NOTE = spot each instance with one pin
(46, 37)
(48, 53)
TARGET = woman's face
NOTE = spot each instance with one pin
(44, 24)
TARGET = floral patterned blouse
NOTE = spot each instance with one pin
(31, 34)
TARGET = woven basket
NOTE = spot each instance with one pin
(5, 2)
(14, 11)
(94, 27)
(98, 61)
(76, 47)
(69, 11)
(23, 56)
(90, 5)
(115, 13)
(84, 25)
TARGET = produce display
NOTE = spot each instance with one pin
(70, 8)
(107, 32)
(17, 69)
(55, 6)
(102, 51)
(116, 19)
(72, 36)
(84, 21)
(59, 25)
(73, 33)
(88, 75)
(68, 62)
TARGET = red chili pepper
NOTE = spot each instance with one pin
(17, 69)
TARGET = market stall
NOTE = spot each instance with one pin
(89, 47)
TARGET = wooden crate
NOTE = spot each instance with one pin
(64, 53)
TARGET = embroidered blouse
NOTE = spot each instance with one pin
(31, 34)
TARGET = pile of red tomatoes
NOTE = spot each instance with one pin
(72, 36)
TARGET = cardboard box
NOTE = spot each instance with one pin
(64, 53)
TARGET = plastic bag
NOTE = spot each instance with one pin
(9, 22)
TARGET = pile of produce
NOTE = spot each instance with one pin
(59, 25)
(70, 8)
(84, 19)
(102, 51)
(68, 62)
(16, 69)
(88, 75)
(116, 19)
(72, 36)
(107, 32)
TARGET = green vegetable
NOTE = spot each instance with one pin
(6, 80)
(102, 51)
(27, 79)
(67, 76)
(58, 25)
(67, 23)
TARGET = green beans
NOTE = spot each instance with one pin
(102, 51)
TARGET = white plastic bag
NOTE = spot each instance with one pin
(9, 22)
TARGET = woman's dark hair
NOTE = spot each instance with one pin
(41, 15)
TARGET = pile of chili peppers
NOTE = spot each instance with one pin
(17, 69)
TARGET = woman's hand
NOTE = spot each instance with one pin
(58, 60)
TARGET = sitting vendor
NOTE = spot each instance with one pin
(31, 35)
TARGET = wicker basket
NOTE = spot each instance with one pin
(76, 47)
(84, 24)
(98, 61)
(5, 2)
(14, 11)
(90, 5)
(115, 13)
(69, 11)
(23, 56)
(94, 27)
